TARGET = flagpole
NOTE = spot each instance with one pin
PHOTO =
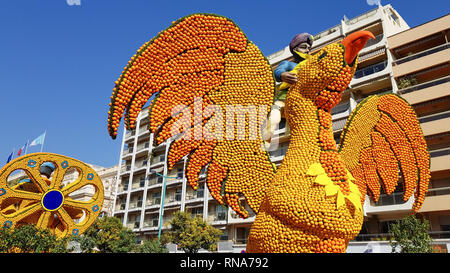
(26, 147)
(42, 146)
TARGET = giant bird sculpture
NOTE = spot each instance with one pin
(312, 202)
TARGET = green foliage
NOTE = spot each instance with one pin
(410, 235)
(405, 82)
(191, 234)
(152, 246)
(29, 239)
(107, 235)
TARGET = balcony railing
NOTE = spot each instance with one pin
(130, 134)
(134, 205)
(434, 117)
(438, 191)
(125, 168)
(120, 207)
(387, 236)
(440, 152)
(154, 201)
(123, 187)
(361, 17)
(366, 71)
(421, 54)
(143, 146)
(377, 39)
(424, 85)
(340, 108)
(151, 223)
(395, 198)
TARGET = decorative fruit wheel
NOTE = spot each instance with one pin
(38, 189)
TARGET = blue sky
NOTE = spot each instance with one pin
(58, 62)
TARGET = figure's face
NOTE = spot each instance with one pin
(303, 48)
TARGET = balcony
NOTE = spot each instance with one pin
(130, 134)
(155, 182)
(142, 148)
(152, 223)
(435, 123)
(422, 60)
(339, 124)
(157, 160)
(369, 70)
(120, 207)
(138, 184)
(123, 187)
(140, 165)
(426, 91)
(125, 169)
(371, 42)
(127, 153)
(135, 205)
(217, 218)
(437, 199)
(388, 203)
(153, 202)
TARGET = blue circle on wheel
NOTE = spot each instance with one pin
(52, 200)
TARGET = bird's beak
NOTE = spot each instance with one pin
(354, 42)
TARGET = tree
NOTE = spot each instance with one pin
(191, 234)
(29, 239)
(152, 246)
(107, 235)
(411, 235)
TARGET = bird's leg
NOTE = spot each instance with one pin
(272, 122)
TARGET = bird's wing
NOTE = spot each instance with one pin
(201, 69)
(383, 138)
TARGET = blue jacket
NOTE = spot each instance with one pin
(284, 66)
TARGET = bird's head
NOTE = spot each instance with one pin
(328, 73)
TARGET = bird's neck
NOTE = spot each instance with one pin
(312, 140)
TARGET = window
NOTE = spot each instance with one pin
(159, 179)
(178, 194)
(139, 202)
(197, 212)
(201, 190)
(282, 123)
(224, 236)
(137, 221)
(384, 226)
(221, 213)
(242, 235)
(156, 198)
(180, 173)
(142, 182)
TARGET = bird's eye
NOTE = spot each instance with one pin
(322, 56)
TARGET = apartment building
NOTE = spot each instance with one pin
(144, 178)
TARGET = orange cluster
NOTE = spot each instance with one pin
(336, 245)
(335, 169)
(385, 135)
(406, 119)
(191, 49)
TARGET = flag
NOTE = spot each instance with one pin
(38, 140)
(22, 149)
(10, 157)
